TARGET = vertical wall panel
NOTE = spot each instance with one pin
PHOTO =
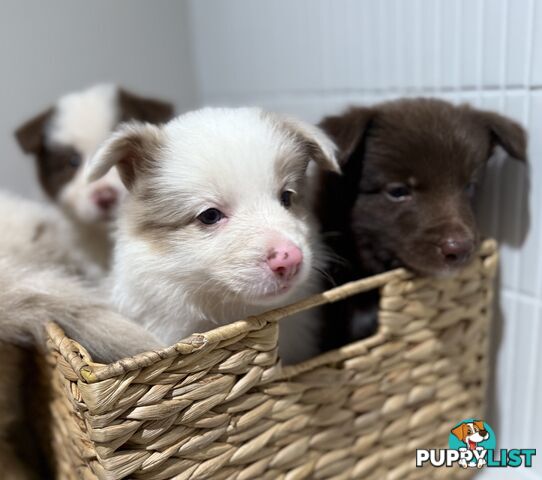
(469, 48)
(510, 193)
(449, 44)
(530, 281)
(428, 32)
(517, 47)
(494, 42)
(536, 51)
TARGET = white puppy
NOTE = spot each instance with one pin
(215, 226)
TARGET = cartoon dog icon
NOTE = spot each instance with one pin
(471, 434)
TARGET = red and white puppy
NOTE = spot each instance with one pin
(215, 226)
(65, 136)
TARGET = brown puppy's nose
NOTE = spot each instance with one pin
(105, 198)
(455, 250)
(483, 433)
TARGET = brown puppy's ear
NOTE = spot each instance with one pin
(347, 130)
(31, 134)
(505, 132)
(134, 107)
(132, 149)
(461, 432)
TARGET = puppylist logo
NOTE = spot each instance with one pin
(472, 444)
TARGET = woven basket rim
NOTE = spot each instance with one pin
(91, 372)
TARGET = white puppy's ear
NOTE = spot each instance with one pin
(132, 148)
(319, 146)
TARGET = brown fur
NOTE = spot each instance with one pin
(439, 152)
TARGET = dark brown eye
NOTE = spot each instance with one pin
(74, 160)
(210, 216)
(286, 198)
(470, 189)
(398, 192)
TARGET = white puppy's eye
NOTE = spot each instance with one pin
(210, 216)
(286, 198)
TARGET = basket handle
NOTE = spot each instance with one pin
(336, 294)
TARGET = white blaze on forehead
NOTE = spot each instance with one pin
(83, 120)
(230, 152)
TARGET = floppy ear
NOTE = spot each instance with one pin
(505, 132)
(31, 134)
(318, 145)
(348, 129)
(134, 107)
(460, 432)
(133, 149)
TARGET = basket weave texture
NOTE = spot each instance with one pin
(220, 405)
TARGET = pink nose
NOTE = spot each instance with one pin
(105, 197)
(284, 260)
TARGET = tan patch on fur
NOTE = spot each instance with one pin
(132, 149)
(38, 232)
(139, 159)
(153, 217)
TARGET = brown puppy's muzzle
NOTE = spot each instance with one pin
(456, 250)
(439, 249)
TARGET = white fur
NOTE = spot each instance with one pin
(40, 236)
(194, 277)
(44, 277)
(83, 121)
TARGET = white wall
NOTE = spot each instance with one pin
(312, 57)
(50, 48)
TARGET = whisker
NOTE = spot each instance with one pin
(325, 275)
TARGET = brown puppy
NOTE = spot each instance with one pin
(411, 168)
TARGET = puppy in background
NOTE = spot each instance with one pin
(65, 136)
(47, 258)
(215, 226)
(410, 172)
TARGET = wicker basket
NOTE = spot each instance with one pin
(219, 405)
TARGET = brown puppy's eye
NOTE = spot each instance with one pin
(286, 198)
(211, 216)
(398, 192)
(470, 189)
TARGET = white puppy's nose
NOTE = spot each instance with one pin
(285, 259)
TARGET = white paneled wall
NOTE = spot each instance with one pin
(312, 57)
